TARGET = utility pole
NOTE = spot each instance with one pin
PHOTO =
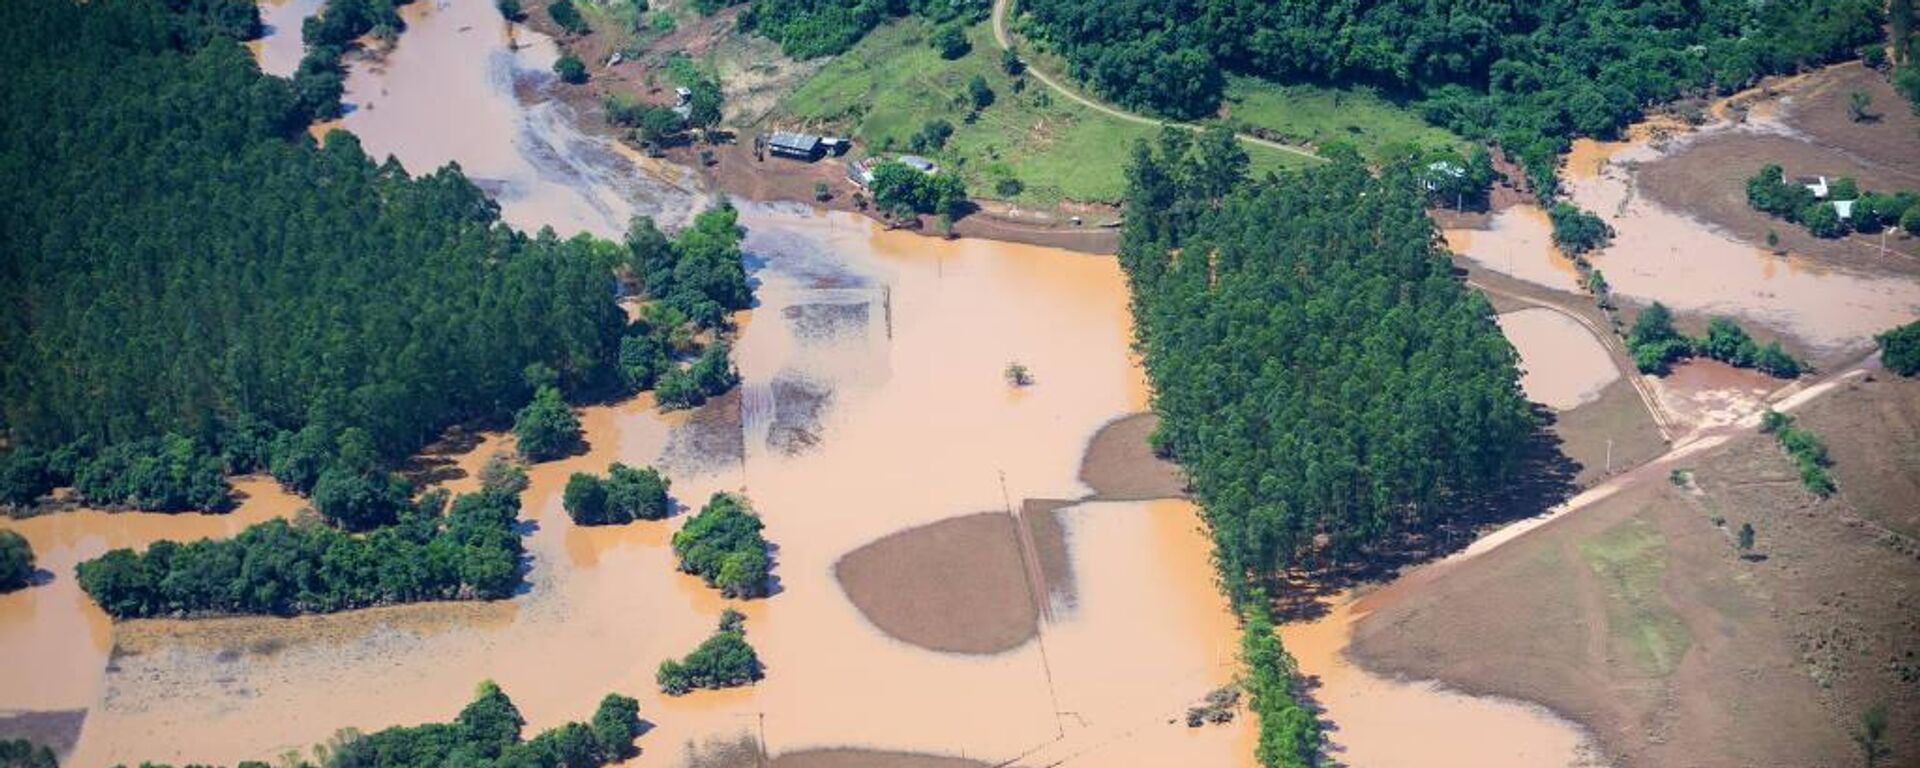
(1609, 455)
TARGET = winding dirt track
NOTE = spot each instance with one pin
(1005, 40)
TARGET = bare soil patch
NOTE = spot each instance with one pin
(1048, 534)
(958, 585)
(1119, 464)
(1609, 435)
(1815, 135)
(1643, 621)
(745, 752)
(1889, 140)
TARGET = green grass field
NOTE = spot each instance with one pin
(1630, 559)
(1318, 115)
(892, 83)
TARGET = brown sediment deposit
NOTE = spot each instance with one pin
(1648, 625)
(1119, 464)
(528, 155)
(1708, 393)
(1563, 366)
(957, 586)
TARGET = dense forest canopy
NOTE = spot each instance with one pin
(1322, 375)
(190, 276)
(808, 28)
(1525, 74)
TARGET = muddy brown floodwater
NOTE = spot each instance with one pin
(1564, 365)
(280, 47)
(453, 89)
(54, 640)
(873, 405)
(1664, 255)
(1384, 723)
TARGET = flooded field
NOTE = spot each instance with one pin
(1518, 242)
(55, 639)
(1660, 254)
(462, 85)
(873, 407)
(1384, 723)
(1563, 365)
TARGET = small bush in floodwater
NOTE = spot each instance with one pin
(1018, 375)
(724, 660)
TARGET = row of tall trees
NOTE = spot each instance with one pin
(1324, 378)
(1528, 75)
(1326, 381)
(1655, 345)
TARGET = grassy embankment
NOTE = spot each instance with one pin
(1317, 116)
(891, 84)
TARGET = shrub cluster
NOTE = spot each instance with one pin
(626, 495)
(1806, 448)
(468, 551)
(724, 660)
(16, 561)
(487, 733)
(1578, 232)
(20, 753)
(1900, 349)
(1655, 345)
(722, 545)
(904, 191)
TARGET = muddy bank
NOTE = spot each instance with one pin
(1562, 365)
(1646, 624)
(1047, 533)
(1119, 464)
(958, 585)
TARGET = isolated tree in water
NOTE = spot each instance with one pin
(546, 428)
(16, 561)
